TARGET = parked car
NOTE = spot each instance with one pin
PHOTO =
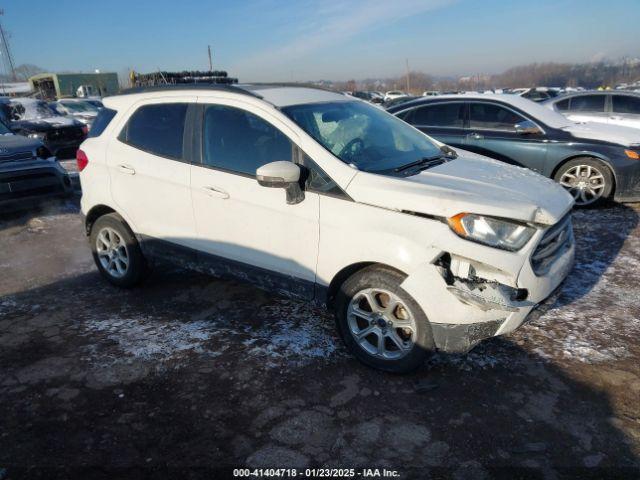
(326, 198)
(35, 119)
(398, 101)
(393, 94)
(592, 161)
(95, 101)
(537, 94)
(614, 107)
(78, 108)
(372, 97)
(28, 172)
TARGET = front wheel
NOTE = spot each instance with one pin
(589, 181)
(380, 323)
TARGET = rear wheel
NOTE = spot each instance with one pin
(380, 323)
(116, 251)
(588, 180)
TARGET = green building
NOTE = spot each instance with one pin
(51, 86)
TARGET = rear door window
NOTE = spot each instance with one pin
(587, 103)
(157, 129)
(626, 104)
(449, 115)
(489, 116)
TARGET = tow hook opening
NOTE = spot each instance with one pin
(473, 290)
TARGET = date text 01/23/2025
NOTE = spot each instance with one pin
(315, 473)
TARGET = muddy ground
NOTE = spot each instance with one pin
(187, 375)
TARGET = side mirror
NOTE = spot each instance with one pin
(527, 128)
(282, 174)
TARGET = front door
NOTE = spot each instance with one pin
(250, 230)
(492, 133)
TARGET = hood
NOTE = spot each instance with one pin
(471, 183)
(625, 136)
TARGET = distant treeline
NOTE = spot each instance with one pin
(587, 75)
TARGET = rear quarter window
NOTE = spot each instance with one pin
(101, 122)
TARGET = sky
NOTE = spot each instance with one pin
(269, 40)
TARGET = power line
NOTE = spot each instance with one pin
(6, 52)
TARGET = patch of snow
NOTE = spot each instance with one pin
(289, 332)
(296, 332)
(145, 338)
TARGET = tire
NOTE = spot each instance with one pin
(116, 251)
(587, 179)
(355, 316)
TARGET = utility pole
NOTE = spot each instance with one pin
(210, 62)
(5, 50)
(408, 75)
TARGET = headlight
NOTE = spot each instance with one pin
(39, 135)
(490, 231)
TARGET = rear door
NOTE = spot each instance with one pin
(444, 121)
(492, 133)
(150, 173)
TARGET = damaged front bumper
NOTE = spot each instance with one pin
(461, 338)
(467, 302)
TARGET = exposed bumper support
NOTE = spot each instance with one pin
(461, 338)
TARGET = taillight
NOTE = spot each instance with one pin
(81, 159)
(85, 130)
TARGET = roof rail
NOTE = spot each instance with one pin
(189, 86)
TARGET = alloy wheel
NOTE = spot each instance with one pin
(381, 323)
(585, 182)
(112, 252)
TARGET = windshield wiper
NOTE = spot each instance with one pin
(426, 162)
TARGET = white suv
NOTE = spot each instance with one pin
(323, 197)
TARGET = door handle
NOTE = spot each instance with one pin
(475, 136)
(216, 192)
(126, 169)
(615, 117)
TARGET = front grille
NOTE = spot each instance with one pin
(64, 134)
(556, 240)
(16, 156)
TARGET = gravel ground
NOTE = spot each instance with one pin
(188, 374)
